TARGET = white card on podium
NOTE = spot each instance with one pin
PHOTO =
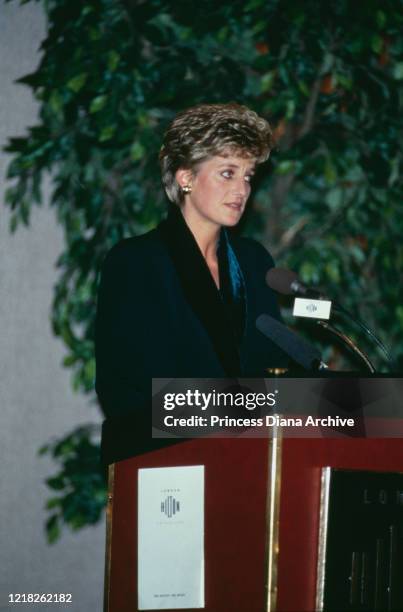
(171, 538)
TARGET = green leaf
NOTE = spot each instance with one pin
(56, 483)
(43, 450)
(344, 80)
(94, 34)
(399, 314)
(334, 198)
(285, 166)
(13, 223)
(53, 529)
(267, 81)
(98, 104)
(290, 109)
(56, 102)
(259, 27)
(380, 19)
(333, 271)
(327, 64)
(69, 360)
(376, 44)
(137, 151)
(303, 87)
(398, 71)
(90, 369)
(358, 254)
(253, 4)
(308, 272)
(53, 502)
(77, 82)
(113, 60)
(330, 172)
(107, 133)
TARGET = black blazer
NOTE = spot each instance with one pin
(160, 315)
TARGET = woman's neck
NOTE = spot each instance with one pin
(206, 235)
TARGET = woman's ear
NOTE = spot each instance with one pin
(184, 177)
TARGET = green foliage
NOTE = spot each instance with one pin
(329, 75)
(79, 487)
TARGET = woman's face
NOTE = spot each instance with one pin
(220, 190)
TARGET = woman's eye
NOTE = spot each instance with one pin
(229, 174)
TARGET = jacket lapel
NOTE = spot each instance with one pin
(200, 290)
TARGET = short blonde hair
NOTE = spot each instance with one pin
(200, 132)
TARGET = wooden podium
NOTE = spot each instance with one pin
(262, 515)
(239, 480)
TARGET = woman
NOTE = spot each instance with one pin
(182, 300)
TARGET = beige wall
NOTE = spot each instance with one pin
(36, 400)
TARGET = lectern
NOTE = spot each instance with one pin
(265, 523)
(240, 531)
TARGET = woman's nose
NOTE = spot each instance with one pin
(240, 187)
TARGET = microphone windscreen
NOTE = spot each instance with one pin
(293, 345)
(281, 280)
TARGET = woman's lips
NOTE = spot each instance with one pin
(234, 205)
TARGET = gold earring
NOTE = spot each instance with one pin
(187, 189)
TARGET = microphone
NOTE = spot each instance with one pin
(287, 282)
(293, 345)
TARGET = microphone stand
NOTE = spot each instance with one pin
(349, 343)
(339, 308)
(298, 288)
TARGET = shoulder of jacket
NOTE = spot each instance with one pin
(132, 247)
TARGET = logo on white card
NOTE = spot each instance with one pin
(316, 309)
(170, 506)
